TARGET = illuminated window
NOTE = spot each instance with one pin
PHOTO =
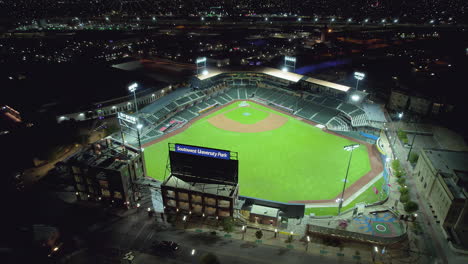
(118, 195)
(105, 193)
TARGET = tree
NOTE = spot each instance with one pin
(404, 190)
(209, 258)
(401, 181)
(399, 173)
(228, 224)
(396, 165)
(411, 207)
(259, 234)
(404, 198)
(413, 158)
(403, 136)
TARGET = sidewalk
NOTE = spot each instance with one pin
(299, 242)
(427, 242)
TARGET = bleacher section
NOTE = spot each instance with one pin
(331, 112)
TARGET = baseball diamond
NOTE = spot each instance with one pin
(277, 152)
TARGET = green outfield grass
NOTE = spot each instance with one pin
(368, 196)
(294, 162)
(247, 115)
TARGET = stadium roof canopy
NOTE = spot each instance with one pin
(211, 73)
(335, 86)
(289, 76)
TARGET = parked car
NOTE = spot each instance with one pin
(165, 247)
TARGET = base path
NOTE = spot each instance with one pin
(272, 121)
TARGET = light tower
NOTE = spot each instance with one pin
(132, 88)
(201, 66)
(347, 148)
(359, 77)
(289, 64)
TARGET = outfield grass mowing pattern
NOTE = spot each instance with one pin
(294, 162)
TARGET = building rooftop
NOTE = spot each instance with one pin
(104, 154)
(448, 161)
(215, 189)
(452, 166)
(265, 211)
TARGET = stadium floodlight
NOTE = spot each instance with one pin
(200, 60)
(288, 58)
(355, 97)
(359, 77)
(351, 147)
(133, 87)
(347, 148)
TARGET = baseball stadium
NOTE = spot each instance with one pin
(290, 132)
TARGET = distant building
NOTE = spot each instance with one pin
(218, 62)
(442, 177)
(416, 104)
(106, 172)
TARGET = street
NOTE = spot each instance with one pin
(136, 233)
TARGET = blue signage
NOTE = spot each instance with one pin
(211, 153)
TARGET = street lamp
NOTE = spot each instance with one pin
(400, 116)
(347, 148)
(359, 76)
